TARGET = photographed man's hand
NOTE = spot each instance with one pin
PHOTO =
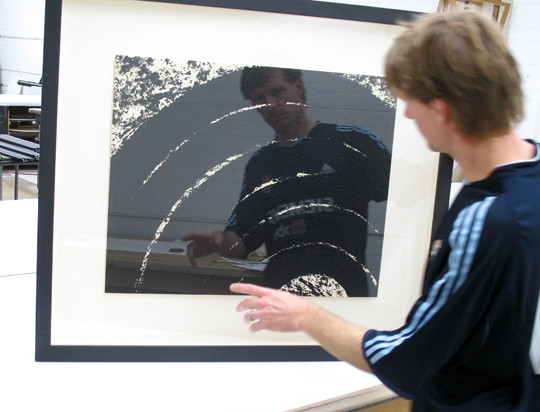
(202, 244)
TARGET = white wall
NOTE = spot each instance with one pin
(523, 39)
(21, 44)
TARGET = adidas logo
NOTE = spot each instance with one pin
(326, 168)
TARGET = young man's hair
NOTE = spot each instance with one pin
(254, 77)
(462, 59)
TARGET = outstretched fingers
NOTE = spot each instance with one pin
(273, 310)
(250, 289)
(251, 305)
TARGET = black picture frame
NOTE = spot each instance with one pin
(45, 350)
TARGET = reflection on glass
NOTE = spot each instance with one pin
(203, 193)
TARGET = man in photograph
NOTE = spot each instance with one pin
(467, 344)
(305, 195)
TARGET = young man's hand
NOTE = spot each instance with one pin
(273, 310)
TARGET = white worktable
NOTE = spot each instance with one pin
(20, 100)
(234, 387)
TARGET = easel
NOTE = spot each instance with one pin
(500, 18)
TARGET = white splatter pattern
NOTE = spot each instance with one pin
(376, 84)
(145, 86)
(315, 285)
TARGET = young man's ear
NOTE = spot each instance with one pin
(442, 111)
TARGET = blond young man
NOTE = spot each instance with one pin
(468, 343)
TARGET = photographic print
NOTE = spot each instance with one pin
(195, 150)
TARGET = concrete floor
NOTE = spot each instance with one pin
(27, 187)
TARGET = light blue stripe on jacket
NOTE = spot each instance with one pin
(463, 241)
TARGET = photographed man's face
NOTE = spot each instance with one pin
(284, 101)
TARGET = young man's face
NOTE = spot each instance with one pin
(427, 120)
(283, 99)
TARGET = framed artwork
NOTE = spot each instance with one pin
(146, 137)
(196, 145)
